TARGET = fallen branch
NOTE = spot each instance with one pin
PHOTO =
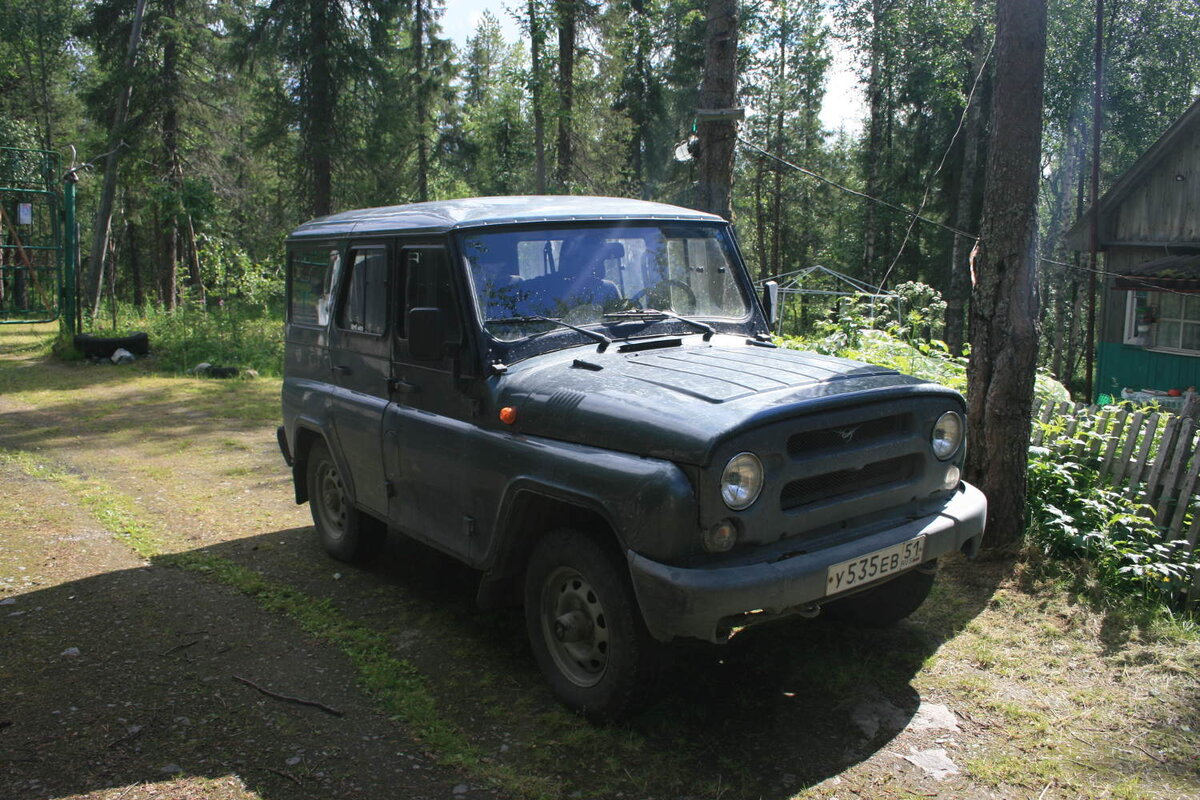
(287, 698)
(283, 774)
(179, 647)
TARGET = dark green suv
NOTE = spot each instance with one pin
(579, 397)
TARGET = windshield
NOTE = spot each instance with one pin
(526, 279)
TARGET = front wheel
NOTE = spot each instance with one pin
(585, 627)
(346, 533)
(888, 603)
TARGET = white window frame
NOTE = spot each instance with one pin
(1132, 336)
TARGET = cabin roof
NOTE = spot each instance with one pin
(1169, 273)
(1077, 236)
(445, 215)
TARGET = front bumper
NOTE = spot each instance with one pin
(706, 603)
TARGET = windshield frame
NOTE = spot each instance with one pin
(750, 323)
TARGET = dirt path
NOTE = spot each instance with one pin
(147, 522)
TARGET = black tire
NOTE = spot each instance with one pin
(888, 603)
(104, 346)
(587, 633)
(346, 533)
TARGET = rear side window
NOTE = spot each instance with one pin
(364, 303)
(311, 278)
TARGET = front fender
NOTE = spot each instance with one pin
(649, 503)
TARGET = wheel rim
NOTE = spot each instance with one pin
(574, 627)
(332, 500)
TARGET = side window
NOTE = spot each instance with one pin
(364, 301)
(428, 274)
(311, 276)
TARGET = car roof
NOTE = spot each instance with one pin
(445, 215)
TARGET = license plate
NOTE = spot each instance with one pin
(874, 566)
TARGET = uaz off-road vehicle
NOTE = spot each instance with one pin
(579, 397)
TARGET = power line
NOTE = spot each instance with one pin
(854, 192)
(929, 181)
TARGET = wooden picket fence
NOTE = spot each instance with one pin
(1152, 456)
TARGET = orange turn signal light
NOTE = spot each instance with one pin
(508, 415)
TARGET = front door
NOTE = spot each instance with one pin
(427, 425)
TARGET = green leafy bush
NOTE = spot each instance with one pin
(1074, 514)
(232, 334)
(930, 360)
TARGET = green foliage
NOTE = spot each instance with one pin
(233, 334)
(850, 334)
(1074, 514)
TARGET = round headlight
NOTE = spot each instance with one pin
(741, 481)
(947, 435)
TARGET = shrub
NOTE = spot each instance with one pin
(1074, 514)
(929, 360)
(232, 334)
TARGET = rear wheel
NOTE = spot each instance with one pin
(585, 627)
(346, 533)
(888, 603)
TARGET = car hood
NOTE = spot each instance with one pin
(678, 398)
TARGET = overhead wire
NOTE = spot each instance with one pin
(929, 181)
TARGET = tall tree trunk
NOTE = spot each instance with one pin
(1077, 295)
(876, 125)
(419, 33)
(169, 84)
(169, 276)
(640, 103)
(1069, 179)
(537, 38)
(760, 220)
(714, 191)
(135, 264)
(567, 18)
(103, 225)
(321, 101)
(1004, 305)
(777, 200)
(964, 220)
(194, 277)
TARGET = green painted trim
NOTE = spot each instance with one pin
(1121, 366)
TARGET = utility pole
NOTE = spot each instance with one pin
(1094, 227)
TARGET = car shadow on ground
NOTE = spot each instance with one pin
(154, 689)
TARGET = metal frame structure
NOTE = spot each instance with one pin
(791, 283)
(37, 255)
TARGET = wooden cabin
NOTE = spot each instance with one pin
(1148, 329)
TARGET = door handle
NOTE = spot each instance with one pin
(401, 386)
(342, 369)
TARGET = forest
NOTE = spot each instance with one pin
(224, 123)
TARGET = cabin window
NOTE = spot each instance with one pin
(1163, 320)
(1177, 322)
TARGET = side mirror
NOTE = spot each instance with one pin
(426, 334)
(770, 301)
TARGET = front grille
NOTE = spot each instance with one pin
(831, 485)
(872, 431)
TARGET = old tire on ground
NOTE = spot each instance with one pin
(346, 533)
(104, 346)
(585, 627)
(888, 603)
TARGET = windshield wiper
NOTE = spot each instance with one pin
(594, 335)
(654, 313)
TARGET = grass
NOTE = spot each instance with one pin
(234, 335)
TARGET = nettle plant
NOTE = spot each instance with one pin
(1075, 513)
